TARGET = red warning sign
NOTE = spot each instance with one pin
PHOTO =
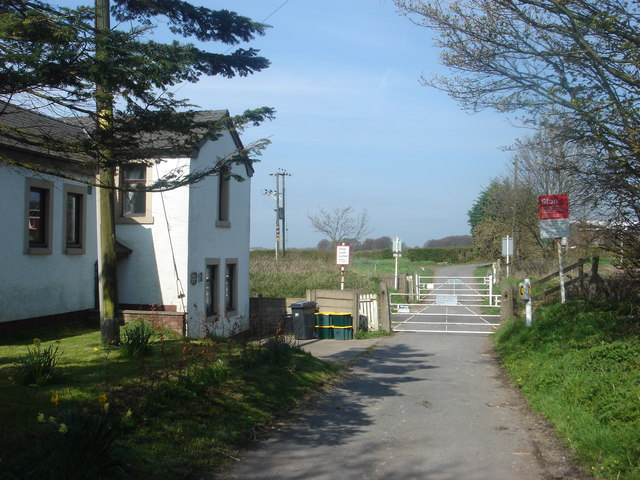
(551, 207)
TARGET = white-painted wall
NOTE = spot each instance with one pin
(148, 275)
(208, 241)
(40, 285)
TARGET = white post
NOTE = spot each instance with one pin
(395, 281)
(528, 306)
(563, 294)
(342, 277)
(508, 257)
(490, 289)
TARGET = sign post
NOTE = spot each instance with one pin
(507, 250)
(342, 259)
(397, 253)
(554, 223)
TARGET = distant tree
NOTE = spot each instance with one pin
(324, 244)
(451, 241)
(376, 243)
(502, 209)
(340, 224)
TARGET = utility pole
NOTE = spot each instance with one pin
(283, 173)
(109, 323)
(280, 210)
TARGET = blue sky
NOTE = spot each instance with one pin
(354, 127)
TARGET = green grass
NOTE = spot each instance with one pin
(579, 365)
(302, 270)
(176, 413)
(365, 335)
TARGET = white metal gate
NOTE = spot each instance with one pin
(447, 305)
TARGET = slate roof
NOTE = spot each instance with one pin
(18, 124)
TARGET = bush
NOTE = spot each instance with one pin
(441, 254)
(275, 352)
(38, 366)
(136, 338)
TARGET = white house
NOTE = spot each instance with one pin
(184, 252)
(48, 237)
(189, 246)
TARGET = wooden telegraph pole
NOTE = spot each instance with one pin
(109, 322)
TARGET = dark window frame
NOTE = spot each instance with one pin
(41, 245)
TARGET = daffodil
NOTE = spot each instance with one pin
(63, 428)
(36, 342)
(102, 399)
(40, 417)
(51, 419)
(55, 399)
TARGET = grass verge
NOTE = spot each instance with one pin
(178, 412)
(579, 365)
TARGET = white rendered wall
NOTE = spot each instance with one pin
(148, 275)
(40, 285)
(208, 241)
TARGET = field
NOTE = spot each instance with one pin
(302, 270)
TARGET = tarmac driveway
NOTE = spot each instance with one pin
(416, 406)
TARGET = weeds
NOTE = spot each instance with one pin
(136, 338)
(82, 444)
(38, 367)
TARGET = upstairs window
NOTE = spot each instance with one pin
(223, 201)
(134, 179)
(133, 198)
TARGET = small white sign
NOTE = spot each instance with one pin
(431, 286)
(554, 228)
(507, 246)
(342, 254)
(446, 300)
(403, 309)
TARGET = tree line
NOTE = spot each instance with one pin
(569, 72)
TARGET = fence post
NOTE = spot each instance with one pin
(506, 305)
(384, 310)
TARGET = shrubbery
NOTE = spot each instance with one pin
(448, 255)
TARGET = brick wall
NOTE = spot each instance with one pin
(271, 315)
(172, 321)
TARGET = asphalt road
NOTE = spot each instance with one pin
(417, 406)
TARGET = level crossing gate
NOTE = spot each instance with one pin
(447, 305)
